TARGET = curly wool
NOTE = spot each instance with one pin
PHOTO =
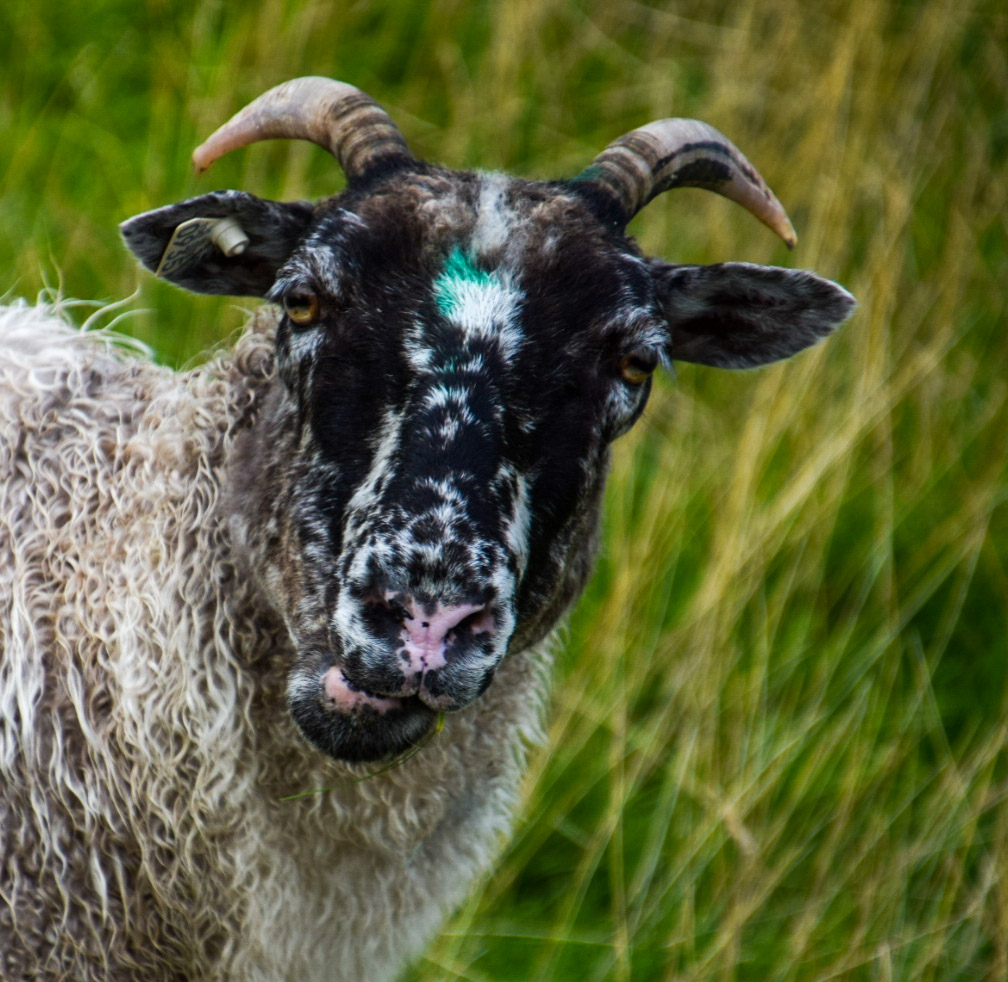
(144, 736)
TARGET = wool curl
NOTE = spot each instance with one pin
(144, 738)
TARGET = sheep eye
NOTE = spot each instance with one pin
(301, 308)
(636, 366)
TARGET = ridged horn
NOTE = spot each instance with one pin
(676, 153)
(337, 116)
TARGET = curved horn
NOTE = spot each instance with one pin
(675, 153)
(337, 116)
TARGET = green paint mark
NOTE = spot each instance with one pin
(458, 276)
(591, 173)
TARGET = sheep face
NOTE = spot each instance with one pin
(458, 499)
(455, 355)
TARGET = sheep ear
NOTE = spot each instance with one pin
(226, 242)
(737, 315)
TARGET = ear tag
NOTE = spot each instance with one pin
(193, 239)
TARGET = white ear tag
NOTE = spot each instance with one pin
(193, 238)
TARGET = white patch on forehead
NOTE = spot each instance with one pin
(484, 305)
(494, 219)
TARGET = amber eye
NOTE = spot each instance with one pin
(636, 366)
(301, 307)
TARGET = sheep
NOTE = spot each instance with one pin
(329, 560)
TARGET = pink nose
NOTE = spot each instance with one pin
(425, 635)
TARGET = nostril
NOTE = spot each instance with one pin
(391, 601)
(480, 621)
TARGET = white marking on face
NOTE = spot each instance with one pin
(448, 431)
(446, 489)
(418, 352)
(484, 306)
(305, 344)
(445, 396)
(494, 219)
(366, 495)
(516, 535)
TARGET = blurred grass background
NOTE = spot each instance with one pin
(777, 741)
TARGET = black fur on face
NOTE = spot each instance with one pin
(449, 406)
(457, 352)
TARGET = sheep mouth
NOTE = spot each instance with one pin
(350, 724)
(342, 696)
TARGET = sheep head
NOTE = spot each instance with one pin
(456, 353)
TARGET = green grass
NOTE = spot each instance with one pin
(777, 739)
